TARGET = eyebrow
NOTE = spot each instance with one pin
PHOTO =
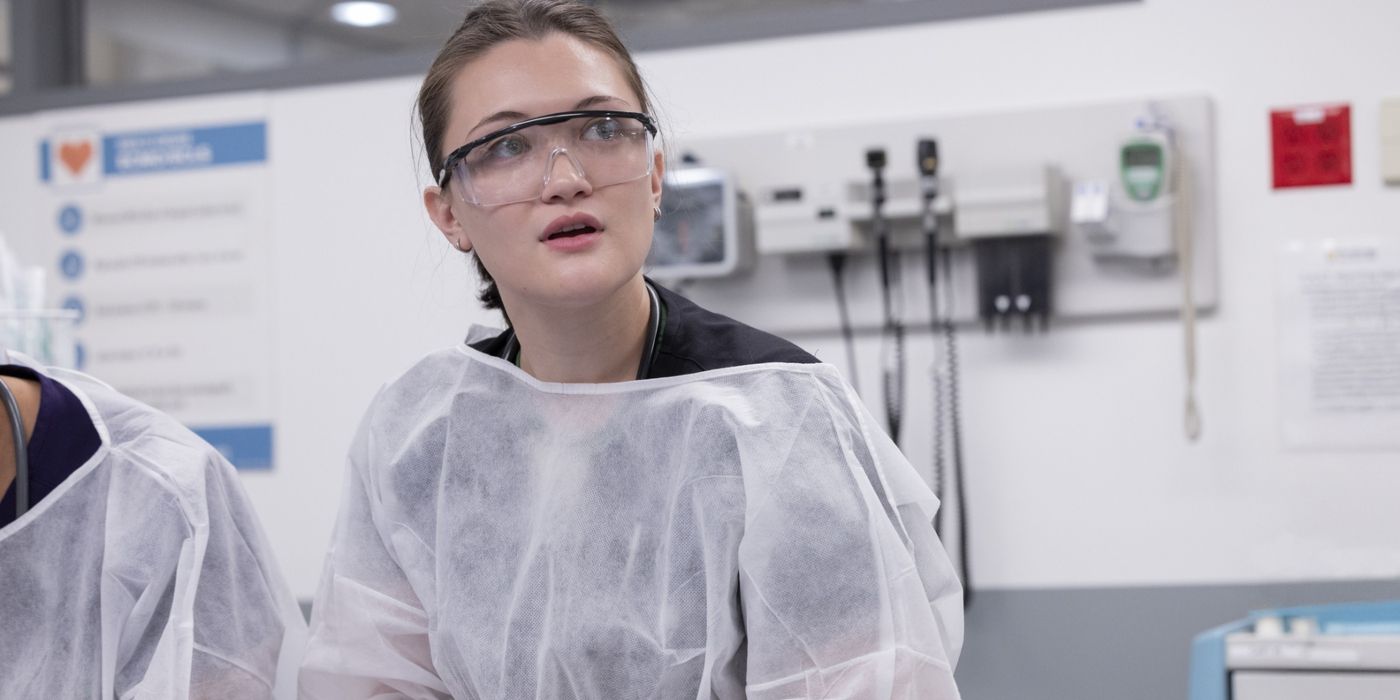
(512, 115)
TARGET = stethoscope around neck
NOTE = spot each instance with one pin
(511, 352)
(21, 450)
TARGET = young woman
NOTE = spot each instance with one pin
(622, 495)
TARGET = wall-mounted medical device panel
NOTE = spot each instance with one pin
(1134, 217)
(812, 198)
(803, 216)
(705, 229)
(1027, 201)
(1011, 219)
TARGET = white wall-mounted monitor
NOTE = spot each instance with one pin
(706, 226)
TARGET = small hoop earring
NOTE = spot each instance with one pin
(457, 243)
(655, 214)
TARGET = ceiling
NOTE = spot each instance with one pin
(421, 23)
(154, 40)
(426, 23)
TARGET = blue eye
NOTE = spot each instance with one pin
(508, 147)
(605, 129)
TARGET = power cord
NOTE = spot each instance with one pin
(893, 332)
(954, 415)
(837, 260)
(947, 413)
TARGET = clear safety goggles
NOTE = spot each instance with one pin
(515, 164)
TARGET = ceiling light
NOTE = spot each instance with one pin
(364, 14)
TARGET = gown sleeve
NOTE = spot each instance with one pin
(204, 610)
(248, 631)
(845, 589)
(369, 630)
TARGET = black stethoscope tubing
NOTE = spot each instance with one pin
(21, 450)
(648, 351)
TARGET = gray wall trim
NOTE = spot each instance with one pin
(869, 15)
(1114, 643)
(641, 39)
(47, 44)
(1110, 643)
(369, 68)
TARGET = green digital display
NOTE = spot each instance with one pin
(1142, 154)
(1144, 170)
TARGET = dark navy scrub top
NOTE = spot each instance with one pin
(63, 440)
(693, 339)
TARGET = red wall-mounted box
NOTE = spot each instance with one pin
(1312, 146)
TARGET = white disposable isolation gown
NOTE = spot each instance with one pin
(144, 574)
(734, 533)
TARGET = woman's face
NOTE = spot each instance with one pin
(516, 80)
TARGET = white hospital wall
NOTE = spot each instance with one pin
(1078, 474)
(1077, 471)
(366, 287)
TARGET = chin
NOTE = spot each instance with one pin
(579, 286)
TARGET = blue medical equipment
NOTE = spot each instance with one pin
(1308, 653)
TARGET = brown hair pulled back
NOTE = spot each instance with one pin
(491, 23)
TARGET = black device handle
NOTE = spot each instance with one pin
(927, 160)
(875, 160)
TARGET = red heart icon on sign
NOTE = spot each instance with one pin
(75, 155)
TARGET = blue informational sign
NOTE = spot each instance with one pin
(161, 177)
(183, 149)
(141, 152)
(247, 447)
(70, 219)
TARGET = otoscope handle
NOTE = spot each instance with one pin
(926, 158)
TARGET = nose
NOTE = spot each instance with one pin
(564, 178)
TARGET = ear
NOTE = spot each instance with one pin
(438, 202)
(658, 174)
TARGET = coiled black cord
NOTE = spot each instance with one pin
(954, 415)
(892, 336)
(894, 378)
(947, 417)
(940, 406)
